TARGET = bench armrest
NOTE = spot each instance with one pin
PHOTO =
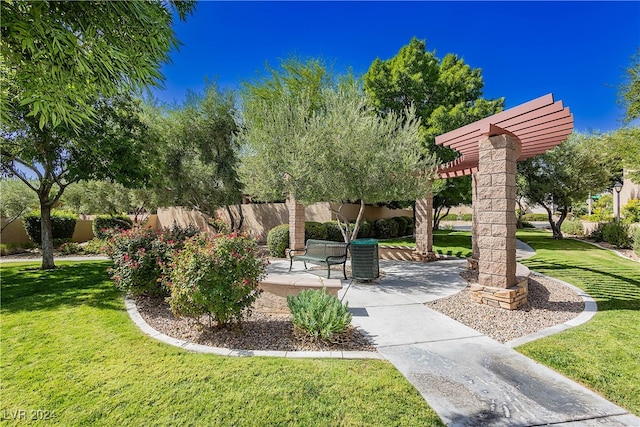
(301, 252)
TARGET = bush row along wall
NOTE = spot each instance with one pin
(260, 218)
(15, 232)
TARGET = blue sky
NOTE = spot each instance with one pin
(576, 50)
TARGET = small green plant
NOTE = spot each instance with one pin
(217, 277)
(278, 240)
(631, 211)
(63, 224)
(573, 227)
(105, 225)
(70, 248)
(602, 210)
(318, 314)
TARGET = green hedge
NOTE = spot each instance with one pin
(535, 217)
(315, 230)
(402, 225)
(333, 231)
(386, 228)
(103, 225)
(62, 225)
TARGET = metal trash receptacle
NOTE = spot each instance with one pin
(364, 259)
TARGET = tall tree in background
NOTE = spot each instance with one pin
(67, 69)
(446, 94)
(113, 147)
(629, 92)
(16, 199)
(566, 175)
(198, 160)
(320, 141)
(62, 55)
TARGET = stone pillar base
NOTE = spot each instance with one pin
(509, 298)
(424, 257)
(472, 264)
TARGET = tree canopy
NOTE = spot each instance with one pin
(61, 56)
(629, 93)
(323, 141)
(446, 94)
(198, 159)
(566, 175)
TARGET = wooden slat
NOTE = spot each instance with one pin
(497, 118)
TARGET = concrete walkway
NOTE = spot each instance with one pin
(466, 377)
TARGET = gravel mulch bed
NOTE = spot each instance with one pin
(549, 303)
(268, 328)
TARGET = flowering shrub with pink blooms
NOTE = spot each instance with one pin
(216, 276)
(141, 257)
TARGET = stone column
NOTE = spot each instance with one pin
(296, 223)
(472, 262)
(424, 229)
(496, 223)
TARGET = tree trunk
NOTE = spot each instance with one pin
(46, 236)
(356, 226)
(555, 226)
(437, 217)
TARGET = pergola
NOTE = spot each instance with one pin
(489, 150)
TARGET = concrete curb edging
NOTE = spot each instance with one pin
(135, 316)
(590, 309)
(606, 249)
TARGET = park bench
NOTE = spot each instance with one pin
(323, 252)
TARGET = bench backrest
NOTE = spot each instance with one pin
(325, 248)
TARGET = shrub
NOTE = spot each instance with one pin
(141, 257)
(315, 230)
(596, 234)
(410, 225)
(318, 314)
(631, 211)
(217, 277)
(70, 248)
(635, 236)
(573, 227)
(467, 217)
(105, 225)
(333, 231)
(95, 246)
(449, 217)
(616, 234)
(15, 248)
(278, 240)
(402, 225)
(62, 225)
(386, 228)
(220, 226)
(366, 229)
(535, 217)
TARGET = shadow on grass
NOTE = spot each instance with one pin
(27, 288)
(612, 290)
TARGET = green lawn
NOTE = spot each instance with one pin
(68, 347)
(445, 242)
(604, 353)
